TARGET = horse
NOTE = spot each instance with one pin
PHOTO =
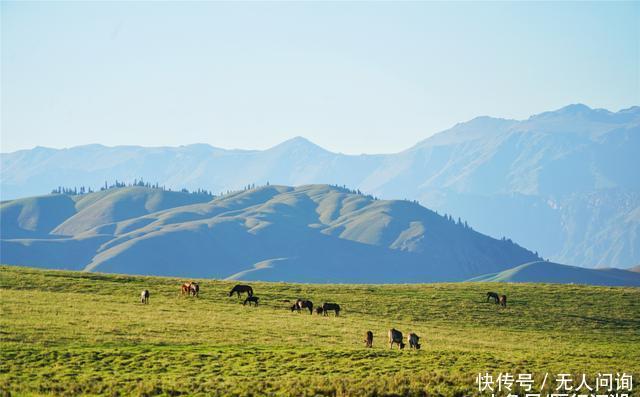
(319, 310)
(493, 295)
(185, 289)
(302, 304)
(144, 297)
(413, 340)
(503, 300)
(250, 299)
(194, 288)
(330, 306)
(241, 289)
(368, 339)
(395, 336)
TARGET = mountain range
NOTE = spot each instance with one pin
(563, 183)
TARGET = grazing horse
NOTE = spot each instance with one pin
(185, 289)
(368, 339)
(250, 299)
(194, 288)
(330, 306)
(319, 310)
(503, 300)
(144, 297)
(302, 304)
(241, 289)
(493, 295)
(413, 340)
(395, 336)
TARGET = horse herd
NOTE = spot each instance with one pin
(498, 299)
(320, 310)
(395, 337)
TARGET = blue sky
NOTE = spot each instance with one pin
(352, 77)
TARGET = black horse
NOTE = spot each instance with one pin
(302, 304)
(330, 306)
(251, 299)
(368, 339)
(493, 295)
(241, 289)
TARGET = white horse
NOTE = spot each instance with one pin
(144, 296)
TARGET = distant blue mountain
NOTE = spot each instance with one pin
(564, 183)
(548, 272)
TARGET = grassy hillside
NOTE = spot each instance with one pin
(85, 333)
(549, 272)
(307, 234)
(68, 215)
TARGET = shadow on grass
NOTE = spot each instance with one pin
(616, 322)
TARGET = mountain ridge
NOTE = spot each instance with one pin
(551, 181)
(631, 111)
(549, 272)
(307, 233)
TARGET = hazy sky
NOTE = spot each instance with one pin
(352, 77)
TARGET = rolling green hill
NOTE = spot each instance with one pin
(74, 333)
(549, 272)
(311, 233)
(69, 215)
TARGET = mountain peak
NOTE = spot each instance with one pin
(574, 108)
(581, 118)
(298, 143)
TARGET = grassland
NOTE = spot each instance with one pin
(70, 333)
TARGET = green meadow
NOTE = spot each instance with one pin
(76, 333)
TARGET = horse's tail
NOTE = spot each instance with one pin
(250, 291)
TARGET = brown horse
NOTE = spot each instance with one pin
(503, 300)
(241, 289)
(185, 289)
(395, 336)
(368, 339)
(302, 304)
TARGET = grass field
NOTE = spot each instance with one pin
(69, 333)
